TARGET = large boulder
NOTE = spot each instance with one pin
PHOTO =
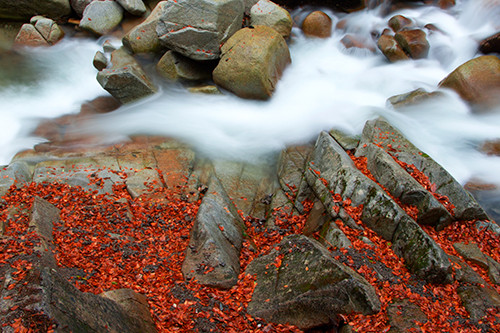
(24, 9)
(125, 79)
(268, 13)
(143, 38)
(252, 62)
(212, 257)
(300, 283)
(100, 17)
(477, 81)
(16, 173)
(317, 24)
(198, 28)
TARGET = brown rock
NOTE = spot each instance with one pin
(491, 147)
(398, 22)
(402, 316)
(317, 24)
(413, 42)
(350, 41)
(477, 81)
(391, 49)
(490, 44)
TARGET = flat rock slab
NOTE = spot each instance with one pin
(17, 173)
(300, 283)
(381, 133)
(212, 257)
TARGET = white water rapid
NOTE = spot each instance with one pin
(327, 86)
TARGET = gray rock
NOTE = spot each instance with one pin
(464, 273)
(125, 79)
(107, 47)
(335, 238)
(401, 185)
(212, 257)
(86, 312)
(100, 17)
(174, 66)
(198, 28)
(143, 38)
(489, 226)
(348, 142)
(25, 9)
(331, 171)
(83, 172)
(16, 173)
(402, 315)
(268, 13)
(380, 132)
(49, 30)
(252, 62)
(79, 6)
(301, 284)
(477, 300)
(472, 253)
(134, 7)
(142, 182)
(493, 270)
(100, 61)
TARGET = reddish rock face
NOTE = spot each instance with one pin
(317, 24)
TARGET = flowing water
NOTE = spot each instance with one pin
(327, 86)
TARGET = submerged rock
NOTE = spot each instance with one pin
(477, 81)
(125, 79)
(300, 283)
(317, 24)
(198, 28)
(252, 62)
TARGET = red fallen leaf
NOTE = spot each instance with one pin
(221, 228)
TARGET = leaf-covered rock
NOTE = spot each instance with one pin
(301, 284)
